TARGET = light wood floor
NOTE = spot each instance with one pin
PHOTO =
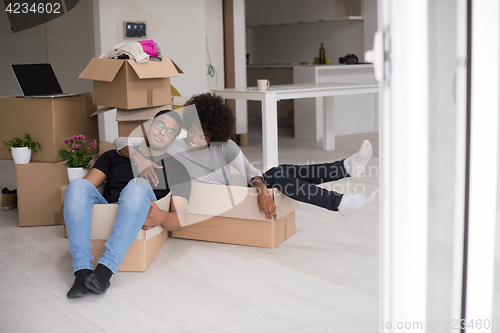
(322, 279)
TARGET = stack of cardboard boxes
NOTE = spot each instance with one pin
(137, 92)
(50, 122)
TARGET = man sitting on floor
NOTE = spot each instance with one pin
(135, 199)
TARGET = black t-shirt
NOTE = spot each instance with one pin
(118, 170)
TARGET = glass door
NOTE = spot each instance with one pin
(439, 151)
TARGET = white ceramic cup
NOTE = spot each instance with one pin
(263, 84)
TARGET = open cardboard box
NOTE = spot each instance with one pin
(49, 121)
(126, 84)
(147, 243)
(230, 214)
(143, 250)
(130, 120)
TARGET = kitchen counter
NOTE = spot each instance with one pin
(271, 65)
(319, 67)
(324, 67)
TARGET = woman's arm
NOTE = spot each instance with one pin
(264, 198)
(235, 157)
(145, 167)
(122, 142)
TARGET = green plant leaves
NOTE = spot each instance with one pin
(25, 142)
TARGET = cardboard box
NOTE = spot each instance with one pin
(241, 231)
(143, 250)
(129, 121)
(104, 146)
(38, 192)
(49, 121)
(230, 214)
(125, 84)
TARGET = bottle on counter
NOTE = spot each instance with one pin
(322, 58)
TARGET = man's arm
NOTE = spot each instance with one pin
(96, 177)
(173, 220)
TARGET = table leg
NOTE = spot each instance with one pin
(328, 123)
(269, 131)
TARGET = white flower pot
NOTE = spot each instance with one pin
(21, 155)
(74, 173)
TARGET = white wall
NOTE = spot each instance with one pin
(215, 37)
(66, 42)
(178, 27)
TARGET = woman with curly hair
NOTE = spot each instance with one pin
(207, 153)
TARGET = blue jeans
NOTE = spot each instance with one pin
(299, 182)
(133, 208)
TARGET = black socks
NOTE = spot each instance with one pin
(78, 289)
(98, 281)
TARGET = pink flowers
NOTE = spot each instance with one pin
(75, 139)
(76, 142)
(77, 154)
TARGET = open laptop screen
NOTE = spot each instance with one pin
(36, 79)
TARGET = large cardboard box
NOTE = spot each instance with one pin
(129, 121)
(38, 192)
(49, 121)
(143, 250)
(126, 84)
(230, 214)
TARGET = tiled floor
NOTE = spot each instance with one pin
(322, 279)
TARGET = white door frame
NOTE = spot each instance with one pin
(404, 161)
(483, 170)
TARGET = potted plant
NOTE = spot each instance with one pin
(78, 162)
(21, 148)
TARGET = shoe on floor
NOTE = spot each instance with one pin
(9, 199)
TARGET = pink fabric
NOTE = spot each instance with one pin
(149, 47)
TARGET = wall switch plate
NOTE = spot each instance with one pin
(135, 29)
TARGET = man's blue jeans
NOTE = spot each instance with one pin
(299, 182)
(133, 208)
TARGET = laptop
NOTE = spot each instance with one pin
(38, 81)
